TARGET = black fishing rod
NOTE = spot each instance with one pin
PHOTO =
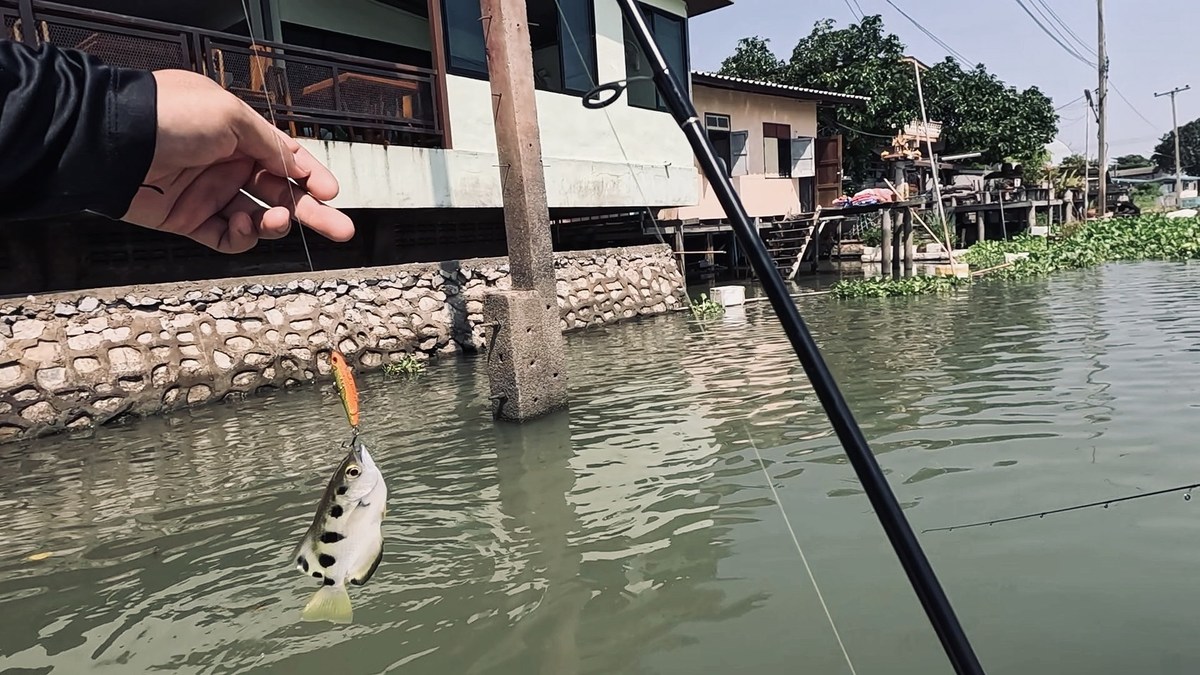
(887, 509)
(1078, 507)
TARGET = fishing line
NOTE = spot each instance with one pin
(616, 88)
(800, 550)
(1041, 514)
(274, 124)
(874, 482)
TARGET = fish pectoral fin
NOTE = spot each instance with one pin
(364, 577)
(329, 603)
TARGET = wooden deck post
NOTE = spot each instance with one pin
(528, 368)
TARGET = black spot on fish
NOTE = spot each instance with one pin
(331, 537)
(318, 575)
(336, 511)
(329, 582)
(302, 563)
(343, 490)
(326, 560)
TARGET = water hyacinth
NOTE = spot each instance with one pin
(1148, 237)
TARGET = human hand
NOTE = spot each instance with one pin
(210, 145)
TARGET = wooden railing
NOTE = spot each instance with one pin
(308, 92)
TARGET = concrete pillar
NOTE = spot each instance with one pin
(885, 244)
(981, 217)
(527, 368)
(909, 248)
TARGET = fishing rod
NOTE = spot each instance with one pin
(1078, 507)
(887, 509)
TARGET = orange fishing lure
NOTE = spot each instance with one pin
(346, 386)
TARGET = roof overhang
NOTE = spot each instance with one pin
(698, 7)
(727, 82)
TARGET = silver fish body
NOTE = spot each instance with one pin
(344, 544)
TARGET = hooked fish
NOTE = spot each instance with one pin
(344, 544)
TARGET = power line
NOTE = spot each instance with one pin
(1131, 105)
(1052, 36)
(1071, 103)
(850, 7)
(1090, 49)
(950, 50)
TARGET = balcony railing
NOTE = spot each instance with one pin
(308, 92)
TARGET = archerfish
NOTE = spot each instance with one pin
(344, 544)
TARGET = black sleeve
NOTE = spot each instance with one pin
(75, 134)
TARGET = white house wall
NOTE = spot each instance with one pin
(647, 161)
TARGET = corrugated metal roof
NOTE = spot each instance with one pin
(782, 89)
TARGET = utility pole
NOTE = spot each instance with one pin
(1102, 106)
(527, 356)
(1175, 126)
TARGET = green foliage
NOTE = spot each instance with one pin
(704, 308)
(980, 113)
(1189, 149)
(407, 364)
(872, 235)
(1132, 162)
(754, 60)
(886, 287)
(1148, 237)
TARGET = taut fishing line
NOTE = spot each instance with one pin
(255, 52)
(617, 88)
(866, 467)
(800, 550)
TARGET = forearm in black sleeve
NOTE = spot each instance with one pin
(75, 134)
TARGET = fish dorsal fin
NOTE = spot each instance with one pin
(360, 577)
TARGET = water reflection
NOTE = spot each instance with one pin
(636, 533)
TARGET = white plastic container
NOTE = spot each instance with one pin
(728, 296)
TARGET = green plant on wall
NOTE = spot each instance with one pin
(407, 365)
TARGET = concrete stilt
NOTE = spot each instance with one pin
(885, 244)
(527, 367)
(909, 248)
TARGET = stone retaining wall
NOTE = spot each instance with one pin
(82, 359)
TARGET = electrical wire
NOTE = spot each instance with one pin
(949, 50)
(1052, 36)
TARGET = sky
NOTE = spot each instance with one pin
(1152, 49)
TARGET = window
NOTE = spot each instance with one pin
(730, 145)
(563, 43)
(777, 150)
(787, 157)
(465, 54)
(670, 33)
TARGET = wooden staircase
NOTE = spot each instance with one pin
(791, 244)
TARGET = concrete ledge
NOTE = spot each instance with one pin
(76, 360)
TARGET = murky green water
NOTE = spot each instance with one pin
(640, 535)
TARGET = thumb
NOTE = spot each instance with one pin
(272, 149)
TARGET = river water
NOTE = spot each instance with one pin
(638, 534)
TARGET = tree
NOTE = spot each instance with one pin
(1133, 161)
(1189, 149)
(753, 60)
(979, 112)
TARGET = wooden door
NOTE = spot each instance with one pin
(829, 170)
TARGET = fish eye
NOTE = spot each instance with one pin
(353, 472)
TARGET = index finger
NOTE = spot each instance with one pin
(269, 147)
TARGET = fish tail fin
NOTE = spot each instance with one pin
(329, 603)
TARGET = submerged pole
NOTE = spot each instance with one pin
(887, 509)
(527, 360)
